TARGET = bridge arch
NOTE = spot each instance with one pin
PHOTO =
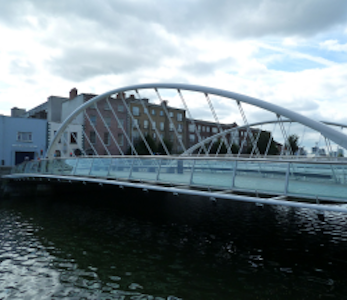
(328, 132)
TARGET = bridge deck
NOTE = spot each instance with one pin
(301, 180)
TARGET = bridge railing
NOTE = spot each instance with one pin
(297, 178)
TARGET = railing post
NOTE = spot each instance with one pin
(192, 173)
(287, 179)
(75, 167)
(158, 172)
(234, 175)
(91, 166)
(109, 167)
(131, 169)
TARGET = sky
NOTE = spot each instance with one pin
(290, 53)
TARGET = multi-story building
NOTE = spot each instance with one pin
(110, 125)
(21, 139)
(106, 126)
(52, 112)
(160, 122)
(198, 130)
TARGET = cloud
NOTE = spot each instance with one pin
(241, 19)
(333, 45)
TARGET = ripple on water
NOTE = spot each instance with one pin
(70, 251)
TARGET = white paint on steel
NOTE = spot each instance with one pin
(336, 136)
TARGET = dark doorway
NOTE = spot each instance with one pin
(22, 156)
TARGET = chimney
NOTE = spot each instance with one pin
(73, 93)
(119, 95)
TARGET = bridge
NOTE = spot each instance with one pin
(192, 140)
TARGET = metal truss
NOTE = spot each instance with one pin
(204, 145)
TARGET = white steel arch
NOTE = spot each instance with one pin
(221, 134)
(334, 135)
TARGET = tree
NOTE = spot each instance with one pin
(262, 144)
(292, 141)
(141, 147)
(168, 144)
(218, 145)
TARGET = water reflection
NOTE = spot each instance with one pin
(149, 247)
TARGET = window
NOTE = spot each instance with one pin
(136, 111)
(179, 117)
(93, 120)
(154, 136)
(108, 121)
(106, 106)
(199, 128)
(136, 135)
(161, 126)
(203, 128)
(73, 137)
(120, 107)
(171, 114)
(214, 129)
(106, 138)
(92, 137)
(180, 128)
(207, 129)
(24, 137)
(171, 126)
(161, 113)
(153, 125)
(120, 139)
(135, 123)
(145, 124)
(153, 112)
(192, 138)
(121, 121)
(191, 127)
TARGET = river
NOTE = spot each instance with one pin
(146, 246)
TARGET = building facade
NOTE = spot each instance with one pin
(198, 130)
(21, 139)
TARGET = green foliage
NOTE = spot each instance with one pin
(141, 147)
(293, 141)
(262, 143)
(168, 144)
(218, 145)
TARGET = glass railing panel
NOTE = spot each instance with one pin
(50, 166)
(32, 166)
(318, 180)
(18, 168)
(145, 169)
(68, 166)
(83, 166)
(176, 171)
(100, 167)
(21, 167)
(261, 176)
(213, 173)
(120, 167)
(43, 165)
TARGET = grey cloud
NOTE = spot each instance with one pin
(199, 67)
(235, 18)
(80, 64)
(22, 67)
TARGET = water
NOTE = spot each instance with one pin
(140, 246)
